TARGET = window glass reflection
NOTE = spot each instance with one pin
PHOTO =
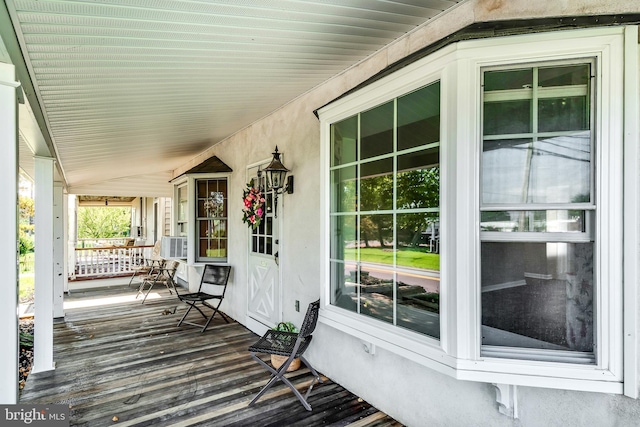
(344, 277)
(419, 303)
(418, 180)
(419, 117)
(344, 194)
(376, 185)
(344, 141)
(376, 131)
(376, 293)
(343, 245)
(551, 221)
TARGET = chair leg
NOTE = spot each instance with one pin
(186, 313)
(215, 310)
(193, 304)
(131, 280)
(279, 375)
(313, 371)
(315, 375)
(148, 290)
(140, 289)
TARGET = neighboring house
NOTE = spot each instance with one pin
(512, 129)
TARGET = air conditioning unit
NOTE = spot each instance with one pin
(173, 247)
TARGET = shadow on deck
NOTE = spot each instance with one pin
(118, 358)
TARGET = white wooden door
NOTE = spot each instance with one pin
(264, 275)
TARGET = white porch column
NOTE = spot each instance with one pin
(59, 250)
(44, 263)
(72, 228)
(8, 236)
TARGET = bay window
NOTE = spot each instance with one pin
(474, 212)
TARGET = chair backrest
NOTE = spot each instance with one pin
(155, 252)
(171, 268)
(214, 279)
(310, 320)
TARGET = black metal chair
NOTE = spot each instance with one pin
(292, 345)
(215, 278)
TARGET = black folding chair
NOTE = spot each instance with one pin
(215, 278)
(292, 345)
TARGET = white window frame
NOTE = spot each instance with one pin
(192, 235)
(177, 186)
(459, 69)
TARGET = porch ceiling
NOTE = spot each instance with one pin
(133, 88)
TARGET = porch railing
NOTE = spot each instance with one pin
(105, 242)
(108, 260)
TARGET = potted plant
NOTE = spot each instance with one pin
(276, 360)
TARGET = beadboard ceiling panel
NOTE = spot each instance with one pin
(138, 87)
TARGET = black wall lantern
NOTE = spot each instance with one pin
(277, 176)
(277, 179)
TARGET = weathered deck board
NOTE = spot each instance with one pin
(131, 361)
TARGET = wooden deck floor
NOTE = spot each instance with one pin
(118, 358)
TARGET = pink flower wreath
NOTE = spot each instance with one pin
(253, 209)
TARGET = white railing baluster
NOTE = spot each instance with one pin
(108, 261)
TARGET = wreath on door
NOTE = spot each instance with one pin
(253, 210)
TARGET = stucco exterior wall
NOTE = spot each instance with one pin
(413, 394)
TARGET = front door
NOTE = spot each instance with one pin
(264, 275)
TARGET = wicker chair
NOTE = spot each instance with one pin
(160, 275)
(148, 264)
(292, 345)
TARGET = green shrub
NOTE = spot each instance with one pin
(26, 244)
(285, 327)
